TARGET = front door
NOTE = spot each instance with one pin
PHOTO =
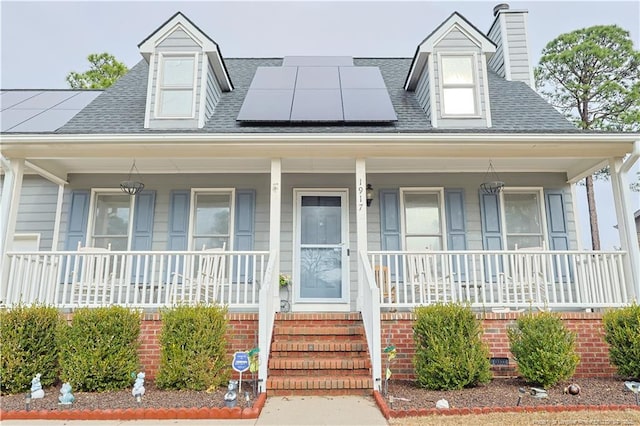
(321, 249)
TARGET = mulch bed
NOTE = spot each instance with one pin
(405, 395)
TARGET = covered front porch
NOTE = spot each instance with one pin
(379, 270)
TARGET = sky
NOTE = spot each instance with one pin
(41, 42)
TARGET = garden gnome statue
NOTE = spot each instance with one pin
(138, 387)
(66, 398)
(36, 388)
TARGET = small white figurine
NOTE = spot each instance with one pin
(36, 388)
(66, 397)
(138, 386)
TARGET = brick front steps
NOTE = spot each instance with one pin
(140, 413)
(319, 354)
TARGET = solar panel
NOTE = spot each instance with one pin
(317, 61)
(367, 105)
(361, 78)
(274, 78)
(78, 101)
(13, 117)
(266, 105)
(11, 98)
(46, 121)
(317, 105)
(45, 100)
(318, 78)
(315, 89)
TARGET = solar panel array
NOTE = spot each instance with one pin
(317, 89)
(27, 111)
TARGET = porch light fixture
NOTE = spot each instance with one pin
(369, 194)
(492, 183)
(132, 186)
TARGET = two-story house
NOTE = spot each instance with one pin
(375, 184)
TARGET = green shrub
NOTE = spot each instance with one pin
(622, 333)
(449, 351)
(193, 348)
(28, 347)
(544, 349)
(99, 350)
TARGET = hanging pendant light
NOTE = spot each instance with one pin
(132, 186)
(492, 183)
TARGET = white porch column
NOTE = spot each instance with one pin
(626, 223)
(267, 308)
(361, 223)
(56, 224)
(9, 204)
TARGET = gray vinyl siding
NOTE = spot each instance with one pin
(178, 42)
(518, 48)
(496, 63)
(213, 92)
(456, 41)
(37, 210)
(164, 184)
(423, 94)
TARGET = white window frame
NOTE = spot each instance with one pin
(443, 220)
(160, 89)
(541, 210)
(475, 85)
(95, 192)
(192, 213)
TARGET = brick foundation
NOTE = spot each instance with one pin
(396, 329)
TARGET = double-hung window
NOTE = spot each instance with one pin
(459, 85)
(523, 218)
(423, 219)
(212, 218)
(111, 219)
(176, 86)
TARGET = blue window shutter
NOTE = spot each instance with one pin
(557, 229)
(390, 219)
(491, 231)
(456, 227)
(244, 226)
(78, 218)
(178, 220)
(556, 220)
(245, 212)
(491, 223)
(390, 232)
(143, 220)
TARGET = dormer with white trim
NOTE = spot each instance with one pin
(449, 75)
(187, 75)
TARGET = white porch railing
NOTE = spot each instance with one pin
(370, 311)
(136, 279)
(501, 279)
(266, 318)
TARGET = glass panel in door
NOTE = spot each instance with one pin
(321, 247)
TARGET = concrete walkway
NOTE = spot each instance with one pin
(278, 410)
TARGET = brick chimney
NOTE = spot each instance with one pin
(509, 33)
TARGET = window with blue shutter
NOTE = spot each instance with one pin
(244, 230)
(456, 229)
(491, 232)
(390, 235)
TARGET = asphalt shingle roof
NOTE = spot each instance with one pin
(515, 107)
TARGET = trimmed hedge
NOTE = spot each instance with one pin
(28, 347)
(450, 353)
(193, 348)
(99, 350)
(544, 348)
(622, 333)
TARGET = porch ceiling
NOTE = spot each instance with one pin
(438, 153)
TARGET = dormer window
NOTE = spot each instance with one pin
(177, 88)
(459, 85)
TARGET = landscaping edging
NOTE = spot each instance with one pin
(141, 413)
(389, 413)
